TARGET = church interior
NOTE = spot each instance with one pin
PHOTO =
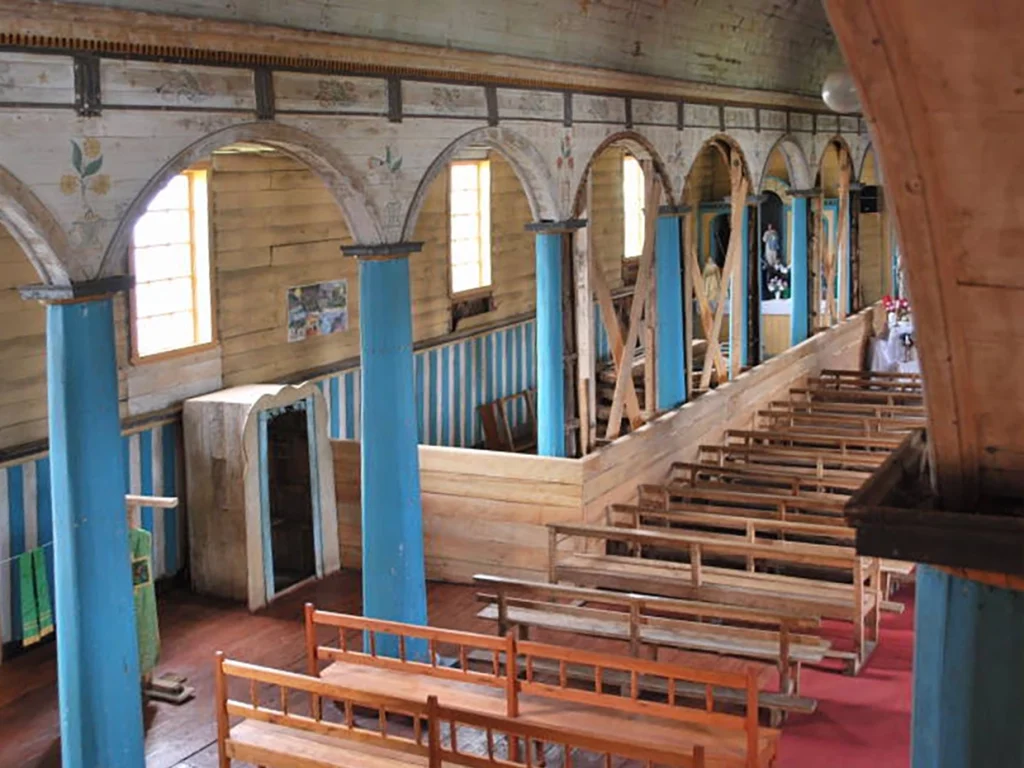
(581, 383)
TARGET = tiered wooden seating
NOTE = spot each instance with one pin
(297, 731)
(536, 699)
(658, 570)
(657, 622)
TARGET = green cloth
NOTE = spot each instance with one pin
(34, 591)
(43, 608)
(29, 609)
(140, 542)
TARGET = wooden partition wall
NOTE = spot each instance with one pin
(483, 511)
(487, 512)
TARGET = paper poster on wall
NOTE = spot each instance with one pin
(317, 310)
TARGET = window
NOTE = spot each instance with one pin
(469, 210)
(633, 206)
(170, 259)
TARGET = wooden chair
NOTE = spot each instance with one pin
(499, 433)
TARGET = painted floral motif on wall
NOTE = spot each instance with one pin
(182, 85)
(676, 164)
(446, 99)
(334, 93)
(86, 182)
(566, 164)
(385, 170)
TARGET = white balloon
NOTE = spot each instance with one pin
(840, 94)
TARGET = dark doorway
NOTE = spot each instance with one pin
(291, 502)
(720, 231)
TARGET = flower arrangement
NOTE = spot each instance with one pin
(777, 279)
(896, 309)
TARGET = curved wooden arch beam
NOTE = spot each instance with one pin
(929, 74)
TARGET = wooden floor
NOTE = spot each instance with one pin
(192, 628)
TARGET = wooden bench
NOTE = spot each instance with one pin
(780, 478)
(858, 602)
(819, 504)
(815, 438)
(658, 622)
(294, 730)
(828, 394)
(819, 458)
(878, 410)
(777, 418)
(535, 698)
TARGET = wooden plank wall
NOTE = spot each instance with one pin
(776, 334)
(275, 225)
(612, 474)
(608, 228)
(483, 512)
(22, 350)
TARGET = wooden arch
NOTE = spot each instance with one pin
(526, 161)
(324, 160)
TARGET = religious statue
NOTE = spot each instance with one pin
(771, 245)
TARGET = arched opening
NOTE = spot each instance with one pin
(879, 268)
(722, 282)
(475, 278)
(613, 198)
(834, 266)
(785, 163)
(524, 159)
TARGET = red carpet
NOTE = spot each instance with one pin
(863, 721)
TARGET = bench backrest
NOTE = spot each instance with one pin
(749, 527)
(426, 744)
(526, 654)
(697, 546)
(516, 591)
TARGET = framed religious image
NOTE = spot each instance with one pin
(318, 309)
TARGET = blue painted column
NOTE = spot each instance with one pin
(799, 320)
(394, 580)
(744, 288)
(550, 341)
(669, 338)
(98, 678)
(968, 674)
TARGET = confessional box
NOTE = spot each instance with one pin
(260, 480)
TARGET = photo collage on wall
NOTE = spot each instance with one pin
(318, 309)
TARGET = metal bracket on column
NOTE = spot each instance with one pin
(91, 289)
(382, 251)
(553, 227)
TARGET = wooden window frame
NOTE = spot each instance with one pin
(483, 290)
(135, 358)
(628, 258)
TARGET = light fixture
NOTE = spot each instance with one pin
(839, 93)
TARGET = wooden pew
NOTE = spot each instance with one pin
(858, 602)
(864, 375)
(867, 424)
(878, 410)
(534, 699)
(293, 730)
(827, 394)
(657, 622)
(815, 438)
(821, 458)
(784, 478)
(783, 503)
